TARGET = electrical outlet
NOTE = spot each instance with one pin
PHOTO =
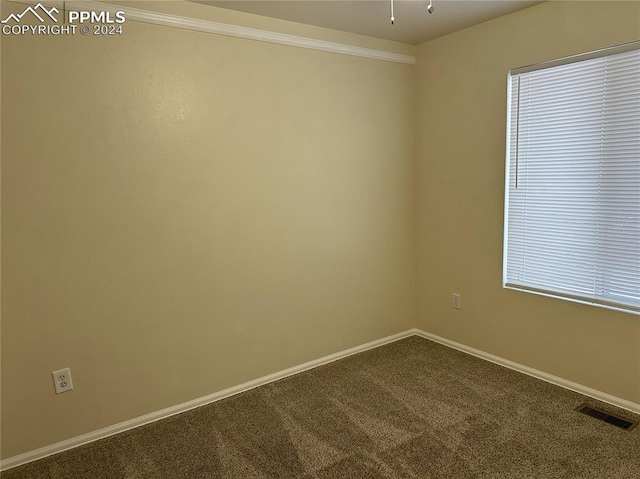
(456, 301)
(62, 380)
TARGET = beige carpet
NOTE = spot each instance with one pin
(410, 409)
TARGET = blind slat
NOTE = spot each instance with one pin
(572, 225)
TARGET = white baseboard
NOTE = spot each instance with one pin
(186, 406)
(73, 442)
(558, 381)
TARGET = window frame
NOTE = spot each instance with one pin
(627, 47)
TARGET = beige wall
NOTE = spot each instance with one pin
(184, 212)
(460, 190)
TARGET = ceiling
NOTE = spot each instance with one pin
(372, 17)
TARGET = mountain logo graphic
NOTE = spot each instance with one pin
(34, 10)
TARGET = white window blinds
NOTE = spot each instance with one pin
(572, 213)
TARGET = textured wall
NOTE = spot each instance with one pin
(462, 82)
(183, 212)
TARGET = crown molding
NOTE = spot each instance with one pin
(229, 30)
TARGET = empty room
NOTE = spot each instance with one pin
(320, 239)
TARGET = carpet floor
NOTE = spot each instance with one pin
(409, 409)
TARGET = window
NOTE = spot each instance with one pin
(572, 207)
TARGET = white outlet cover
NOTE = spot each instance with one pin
(62, 380)
(456, 301)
